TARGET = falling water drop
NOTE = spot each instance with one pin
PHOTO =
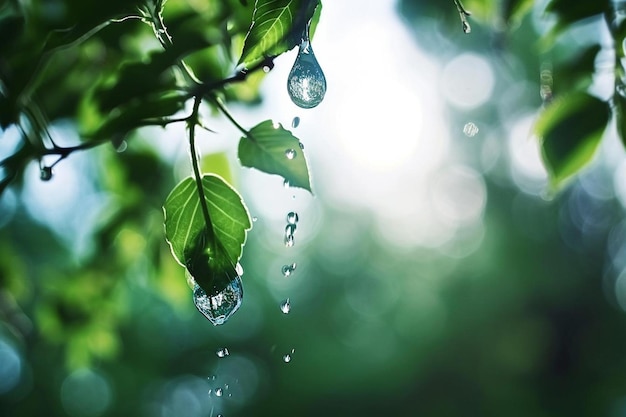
(288, 269)
(295, 122)
(223, 352)
(285, 306)
(306, 83)
(470, 129)
(292, 217)
(290, 153)
(287, 356)
(46, 173)
(219, 307)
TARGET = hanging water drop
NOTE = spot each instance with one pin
(295, 122)
(223, 352)
(466, 26)
(287, 270)
(46, 173)
(286, 184)
(219, 307)
(292, 217)
(285, 306)
(306, 83)
(290, 153)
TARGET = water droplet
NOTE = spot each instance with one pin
(289, 241)
(121, 147)
(276, 125)
(226, 387)
(285, 306)
(288, 269)
(466, 27)
(239, 269)
(287, 358)
(621, 89)
(295, 122)
(290, 153)
(286, 183)
(470, 129)
(254, 219)
(210, 391)
(301, 145)
(223, 352)
(292, 217)
(46, 173)
(266, 69)
(219, 392)
(306, 83)
(219, 307)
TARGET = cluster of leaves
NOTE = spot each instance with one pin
(95, 57)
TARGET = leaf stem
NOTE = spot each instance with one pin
(222, 107)
(193, 121)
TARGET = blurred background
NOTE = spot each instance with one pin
(435, 274)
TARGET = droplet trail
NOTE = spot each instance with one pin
(287, 270)
(292, 217)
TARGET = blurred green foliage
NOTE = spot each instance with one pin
(529, 324)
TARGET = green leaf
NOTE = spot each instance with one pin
(277, 26)
(570, 129)
(186, 229)
(265, 148)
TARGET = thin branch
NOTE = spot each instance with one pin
(222, 107)
(196, 169)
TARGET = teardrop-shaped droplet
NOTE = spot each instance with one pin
(295, 122)
(287, 270)
(292, 217)
(306, 83)
(285, 306)
(290, 153)
(45, 174)
(223, 352)
(219, 307)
